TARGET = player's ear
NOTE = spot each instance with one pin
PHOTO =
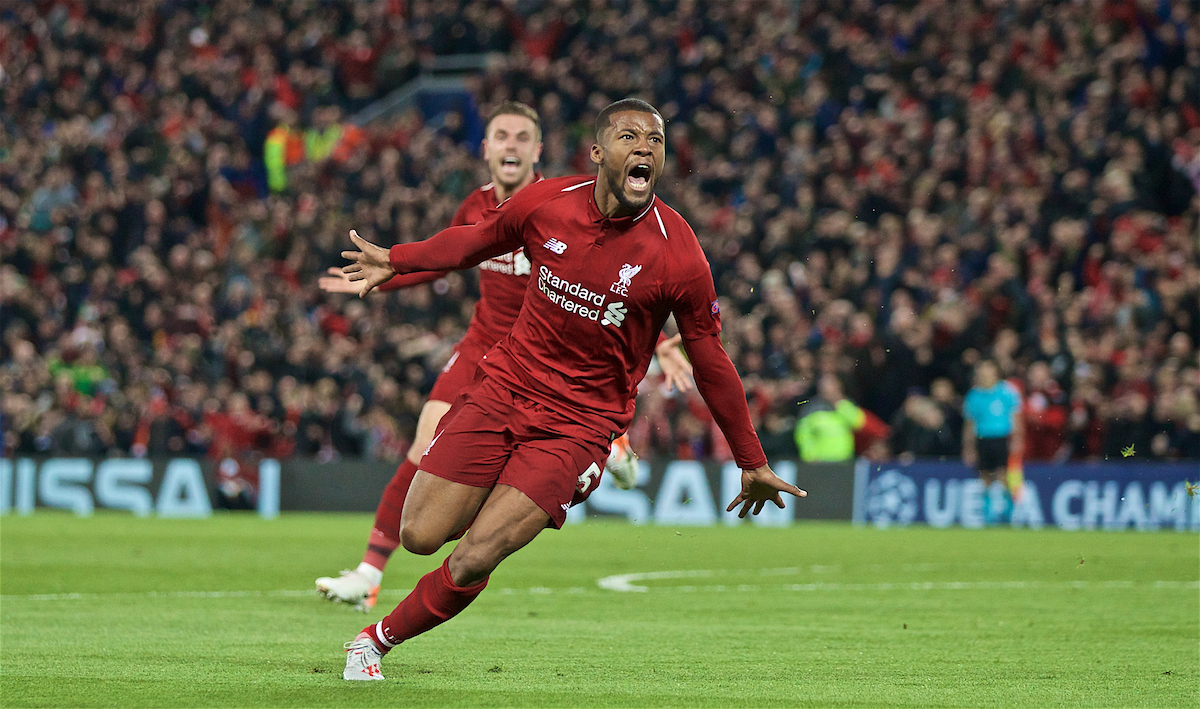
(537, 153)
(597, 153)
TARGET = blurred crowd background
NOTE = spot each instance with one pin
(887, 192)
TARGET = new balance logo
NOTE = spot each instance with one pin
(556, 246)
(615, 314)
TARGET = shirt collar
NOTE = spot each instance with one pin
(618, 222)
(537, 177)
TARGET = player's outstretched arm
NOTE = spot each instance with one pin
(453, 248)
(458, 247)
(760, 485)
(675, 368)
(718, 383)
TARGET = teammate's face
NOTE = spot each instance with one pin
(631, 157)
(511, 148)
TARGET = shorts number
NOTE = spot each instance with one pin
(585, 480)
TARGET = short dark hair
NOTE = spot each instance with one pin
(604, 120)
(514, 108)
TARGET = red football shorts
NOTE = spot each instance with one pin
(493, 436)
(460, 370)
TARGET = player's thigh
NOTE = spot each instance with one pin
(431, 416)
(462, 464)
(435, 510)
(507, 521)
(557, 471)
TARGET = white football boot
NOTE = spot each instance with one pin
(362, 659)
(351, 588)
(622, 464)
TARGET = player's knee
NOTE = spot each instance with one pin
(419, 540)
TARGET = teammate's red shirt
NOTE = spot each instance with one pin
(600, 293)
(502, 279)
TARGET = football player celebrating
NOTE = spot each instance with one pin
(511, 148)
(609, 263)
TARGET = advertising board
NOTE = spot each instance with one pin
(669, 491)
(1111, 496)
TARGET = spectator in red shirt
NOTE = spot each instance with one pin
(1045, 411)
(356, 61)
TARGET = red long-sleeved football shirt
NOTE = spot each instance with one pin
(599, 293)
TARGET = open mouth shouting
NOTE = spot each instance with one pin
(638, 179)
(510, 167)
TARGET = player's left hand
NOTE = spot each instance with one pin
(760, 485)
(371, 264)
(675, 368)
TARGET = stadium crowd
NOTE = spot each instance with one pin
(887, 192)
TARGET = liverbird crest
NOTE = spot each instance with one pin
(628, 271)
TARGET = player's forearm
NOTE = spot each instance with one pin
(719, 384)
(450, 249)
(408, 280)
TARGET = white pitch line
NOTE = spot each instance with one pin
(116, 596)
(625, 583)
(152, 594)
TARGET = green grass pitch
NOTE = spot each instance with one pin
(112, 611)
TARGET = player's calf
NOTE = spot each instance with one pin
(470, 563)
(508, 521)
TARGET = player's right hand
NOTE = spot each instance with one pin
(371, 266)
(760, 485)
(337, 282)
